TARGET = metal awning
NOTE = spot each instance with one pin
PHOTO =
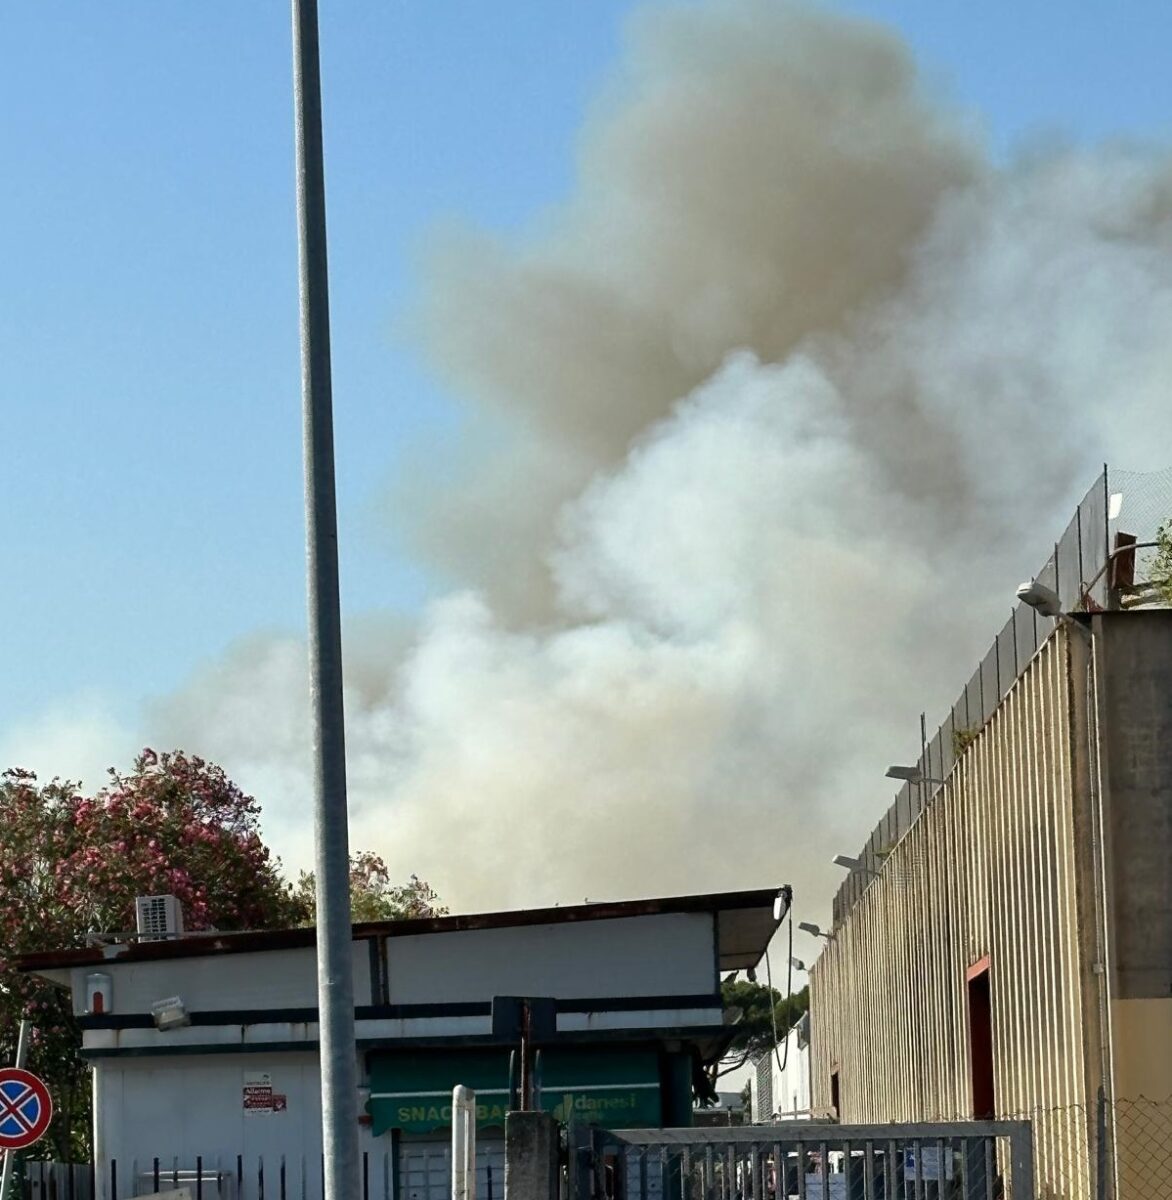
(744, 932)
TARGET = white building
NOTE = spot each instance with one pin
(204, 1049)
(781, 1079)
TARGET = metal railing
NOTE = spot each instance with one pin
(267, 1177)
(971, 1160)
(43, 1180)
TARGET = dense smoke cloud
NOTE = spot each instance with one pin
(772, 416)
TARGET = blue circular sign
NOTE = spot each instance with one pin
(26, 1108)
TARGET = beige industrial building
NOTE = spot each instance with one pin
(1005, 946)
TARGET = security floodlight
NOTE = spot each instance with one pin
(852, 864)
(797, 964)
(170, 1014)
(816, 930)
(1039, 596)
(781, 902)
(751, 974)
(910, 775)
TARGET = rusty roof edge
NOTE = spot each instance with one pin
(203, 945)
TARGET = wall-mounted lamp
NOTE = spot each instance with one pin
(852, 864)
(1039, 596)
(816, 930)
(170, 1014)
(1047, 602)
(910, 775)
(797, 964)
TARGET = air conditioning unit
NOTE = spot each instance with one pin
(159, 918)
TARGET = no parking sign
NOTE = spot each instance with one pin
(26, 1108)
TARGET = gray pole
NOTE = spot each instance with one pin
(10, 1155)
(335, 983)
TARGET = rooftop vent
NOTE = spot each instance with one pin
(159, 918)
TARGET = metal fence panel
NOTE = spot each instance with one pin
(1093, 540)
(1048, 577)
(1070, 575)
(1026, 635)
(905, 807)
(424, 1170)
(937, 766)
(947, 747)
(972, 1160)
(974, 704)
(1007, 671)
(990, 684)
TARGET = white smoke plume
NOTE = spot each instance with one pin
(765, 424)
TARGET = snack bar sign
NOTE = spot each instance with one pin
(259, 1099)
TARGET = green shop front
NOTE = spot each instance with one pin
(610, 1085)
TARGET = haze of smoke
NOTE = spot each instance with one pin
(755, 173)
(785, 402)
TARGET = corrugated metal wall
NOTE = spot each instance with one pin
(989, 869)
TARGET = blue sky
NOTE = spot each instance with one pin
(149, 405)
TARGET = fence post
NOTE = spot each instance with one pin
(10, 1155)
(531, 1156)
(1101, 1189)
(1021, 1153)
(463, 1143)
(580, 1144)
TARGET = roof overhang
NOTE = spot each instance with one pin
(745, 923)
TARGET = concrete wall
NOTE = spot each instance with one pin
(221, 982)
(670, 954)
(1135, 698)
(1135, 722)
(190, 1108)
(663, 955)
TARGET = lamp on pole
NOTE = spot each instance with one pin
(335, 982)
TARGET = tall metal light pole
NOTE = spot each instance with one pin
(335, 982)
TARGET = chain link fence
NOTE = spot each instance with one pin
(1140, 1131)
(1103, 1150)
(1091, 569)
(1141, 509)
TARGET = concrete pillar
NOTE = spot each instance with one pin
(531, 1156)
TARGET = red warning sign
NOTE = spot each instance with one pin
(259, 1099)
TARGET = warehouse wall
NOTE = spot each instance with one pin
(997, 872)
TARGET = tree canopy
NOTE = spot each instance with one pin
(760, 1006)
(73, 864)
(373, 896)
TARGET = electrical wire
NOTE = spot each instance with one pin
(789, 990)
